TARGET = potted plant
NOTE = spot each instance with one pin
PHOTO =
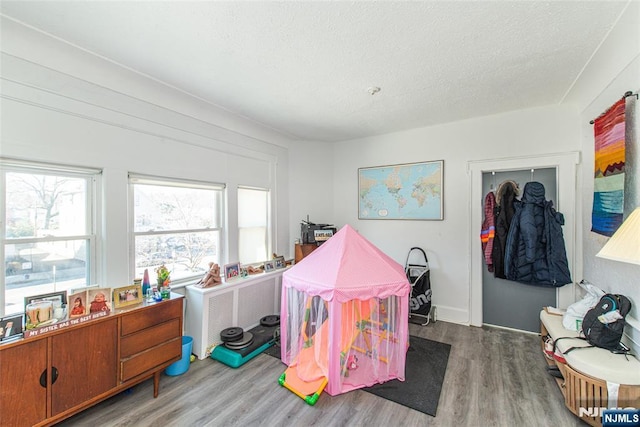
(164, 278)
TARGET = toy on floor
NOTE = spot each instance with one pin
(309, 391)
(307, 376)
(361, 332)
(238, 346)
(352, 362)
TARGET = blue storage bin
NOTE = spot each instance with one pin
(182, 365)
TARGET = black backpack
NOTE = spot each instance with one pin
(606, 335)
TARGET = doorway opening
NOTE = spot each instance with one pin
(565, 167)
(504, 302)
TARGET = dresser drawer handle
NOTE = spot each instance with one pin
(43, 377)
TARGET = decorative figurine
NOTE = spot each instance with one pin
(211, 278)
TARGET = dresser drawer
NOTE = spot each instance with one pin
(149, 337)
(152, 316)
(150, 359)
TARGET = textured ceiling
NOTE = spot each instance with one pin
(303, 68)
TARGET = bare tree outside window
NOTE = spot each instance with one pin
(178, 225)
(47, 237)
(35, 202)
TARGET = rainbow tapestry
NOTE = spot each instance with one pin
(608, 197)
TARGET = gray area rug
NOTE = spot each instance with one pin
(424, 374)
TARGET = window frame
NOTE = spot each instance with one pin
(93, 179)
(140, 179)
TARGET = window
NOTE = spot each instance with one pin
(176, 223)
(48, 237)
(253, 221)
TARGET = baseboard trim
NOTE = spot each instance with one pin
(510, 329)
(452, 315)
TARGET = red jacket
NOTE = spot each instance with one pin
(488, 229)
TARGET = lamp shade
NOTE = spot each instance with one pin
(624, 245)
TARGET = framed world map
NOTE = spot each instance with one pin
(411, 191)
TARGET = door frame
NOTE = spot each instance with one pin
(567, 191)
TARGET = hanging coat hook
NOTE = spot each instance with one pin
(532, 171)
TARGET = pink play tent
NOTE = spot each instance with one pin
(344, 318)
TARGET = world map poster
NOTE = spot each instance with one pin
(404, 191)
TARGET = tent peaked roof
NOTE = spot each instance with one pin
(348, 266)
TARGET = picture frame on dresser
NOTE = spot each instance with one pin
(99, 300)
(45, 309)
(77, 306)
(127, 296)
(11, 327)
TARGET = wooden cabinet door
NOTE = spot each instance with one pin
(302, 250)
(23, 401)
(86, 362)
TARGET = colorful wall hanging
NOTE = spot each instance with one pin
(608, 197)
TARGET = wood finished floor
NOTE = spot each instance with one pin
(495, 377)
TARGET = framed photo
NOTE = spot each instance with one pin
(127, 295)
(232, 271)
(279, 262)
(45, 309)
(99, 299)
(269, 266)
(11, 327)
(410, 191)
(322, 235)
(59, 298)
(77, 303)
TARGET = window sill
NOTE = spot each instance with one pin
(240, 281)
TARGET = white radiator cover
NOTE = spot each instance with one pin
(241, 302)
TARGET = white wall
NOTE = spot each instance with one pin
(62, 105)
(614, 70)
(538, 131)
(311, 176)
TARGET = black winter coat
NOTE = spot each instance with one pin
(505, 209)
(535, 252)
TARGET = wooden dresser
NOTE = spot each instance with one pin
(47, 378)
(302, 250)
